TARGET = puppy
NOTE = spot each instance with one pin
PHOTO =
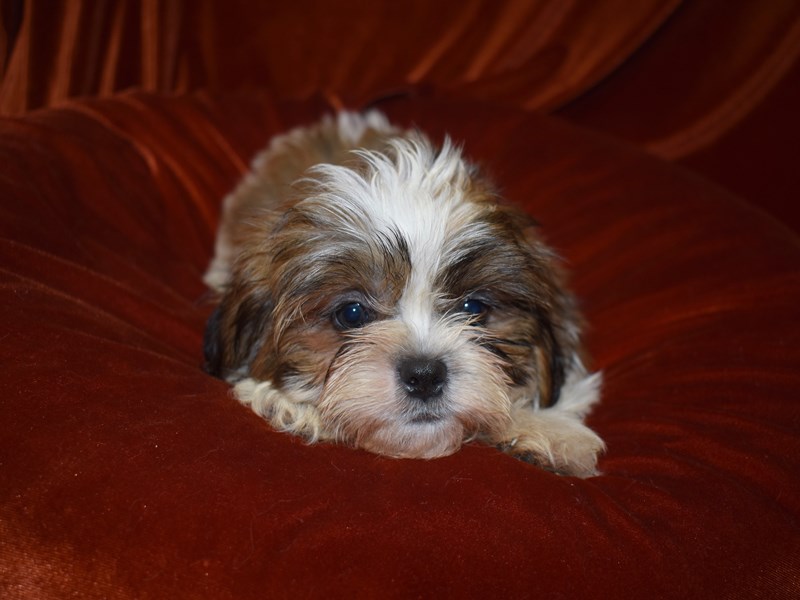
(375, 292)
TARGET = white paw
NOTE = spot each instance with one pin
(558, 444)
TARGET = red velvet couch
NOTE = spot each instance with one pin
(126, 472)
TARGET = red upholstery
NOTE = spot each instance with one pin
(126, 472)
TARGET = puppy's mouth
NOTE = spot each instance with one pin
(425, 418)
(431, 412)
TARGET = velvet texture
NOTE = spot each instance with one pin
(126, 472)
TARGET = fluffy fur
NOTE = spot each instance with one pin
(374, 291)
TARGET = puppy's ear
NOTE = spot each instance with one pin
(551, 365)
(212, 347)
(557, 317)
(235, 333)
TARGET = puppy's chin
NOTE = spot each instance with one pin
(382, 423)
(430, 439)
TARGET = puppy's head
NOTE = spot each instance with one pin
(404, 302)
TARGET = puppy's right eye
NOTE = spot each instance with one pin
(351, 316)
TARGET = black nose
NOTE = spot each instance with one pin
(423, 378)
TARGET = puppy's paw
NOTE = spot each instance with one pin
(563, 446)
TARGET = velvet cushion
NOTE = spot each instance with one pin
(126, 472)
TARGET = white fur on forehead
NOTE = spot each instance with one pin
(411, 189)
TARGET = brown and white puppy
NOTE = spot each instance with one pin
(374, 292)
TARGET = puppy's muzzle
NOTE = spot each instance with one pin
(423, 378)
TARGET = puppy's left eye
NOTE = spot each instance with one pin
(475, 308)
(351, 316)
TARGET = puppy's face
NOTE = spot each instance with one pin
(401, 300)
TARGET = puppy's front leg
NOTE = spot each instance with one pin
(553, 439)
(284, 411)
